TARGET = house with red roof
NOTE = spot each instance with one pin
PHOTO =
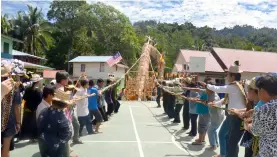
(218, 60)
(212, 68)
(253, 63)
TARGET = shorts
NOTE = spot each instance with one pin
(97, 115)
(8, 132)
(203, 123)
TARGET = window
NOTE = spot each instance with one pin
(6, 47)
(102, 65)
(83, 67)
(186, 67)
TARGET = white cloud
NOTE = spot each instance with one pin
(214, 13)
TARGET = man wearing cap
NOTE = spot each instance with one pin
(235, 98)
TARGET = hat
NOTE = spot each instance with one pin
(111, 77)
(13, 67)
(62, 96)
(252, 83)
(235, 68)
(53, 82)
(36, 78)
(188, 80)
(72, 87)
(272, 73)
(176, 82)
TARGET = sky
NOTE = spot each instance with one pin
(214, 13)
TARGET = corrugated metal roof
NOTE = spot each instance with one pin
(50, 73)
(251, 61)
(11, 38)
(35, 66)
(211, 63)
(19, 53)
(177, 68)
(83, 59)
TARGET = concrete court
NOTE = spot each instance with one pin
(138, 130)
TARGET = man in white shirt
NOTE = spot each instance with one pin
(82, 108)
(230, 131)
(48, 94)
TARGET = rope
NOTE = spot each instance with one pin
(111, 85)
(178, 94)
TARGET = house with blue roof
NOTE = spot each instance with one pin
(31, 62)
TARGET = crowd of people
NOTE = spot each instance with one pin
(248, 119)
(52, 114)
(56, 113)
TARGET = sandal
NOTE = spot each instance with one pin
(197, 143)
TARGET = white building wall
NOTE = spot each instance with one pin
(93, 70)
(249, 75)
(180, 60)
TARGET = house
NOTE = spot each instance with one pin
(7, 46)
(212, 68)
(31, 62)
(253, 63)
(95, 67)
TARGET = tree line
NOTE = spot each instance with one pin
(75, 28)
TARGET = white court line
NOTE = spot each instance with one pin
(136, 133)
(137, 106)
(110, 141)
(154, 142)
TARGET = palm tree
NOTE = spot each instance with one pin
(5, 25)
(33, 30)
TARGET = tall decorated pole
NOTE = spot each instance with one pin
(161, 66)
(144, 65)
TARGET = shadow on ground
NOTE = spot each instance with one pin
(36, 154)
(24, 144)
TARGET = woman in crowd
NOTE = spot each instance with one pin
(11, 70)
(248, 140)
(32, 97)
(10, 119)
(264, 122)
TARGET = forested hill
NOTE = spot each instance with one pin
(172, 37)
(75, 28)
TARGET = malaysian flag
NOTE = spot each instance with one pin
(114, 59)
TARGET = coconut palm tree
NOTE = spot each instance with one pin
(5, 25)
(33, 30)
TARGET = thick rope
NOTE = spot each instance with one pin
(178, 94)
(110, 86)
